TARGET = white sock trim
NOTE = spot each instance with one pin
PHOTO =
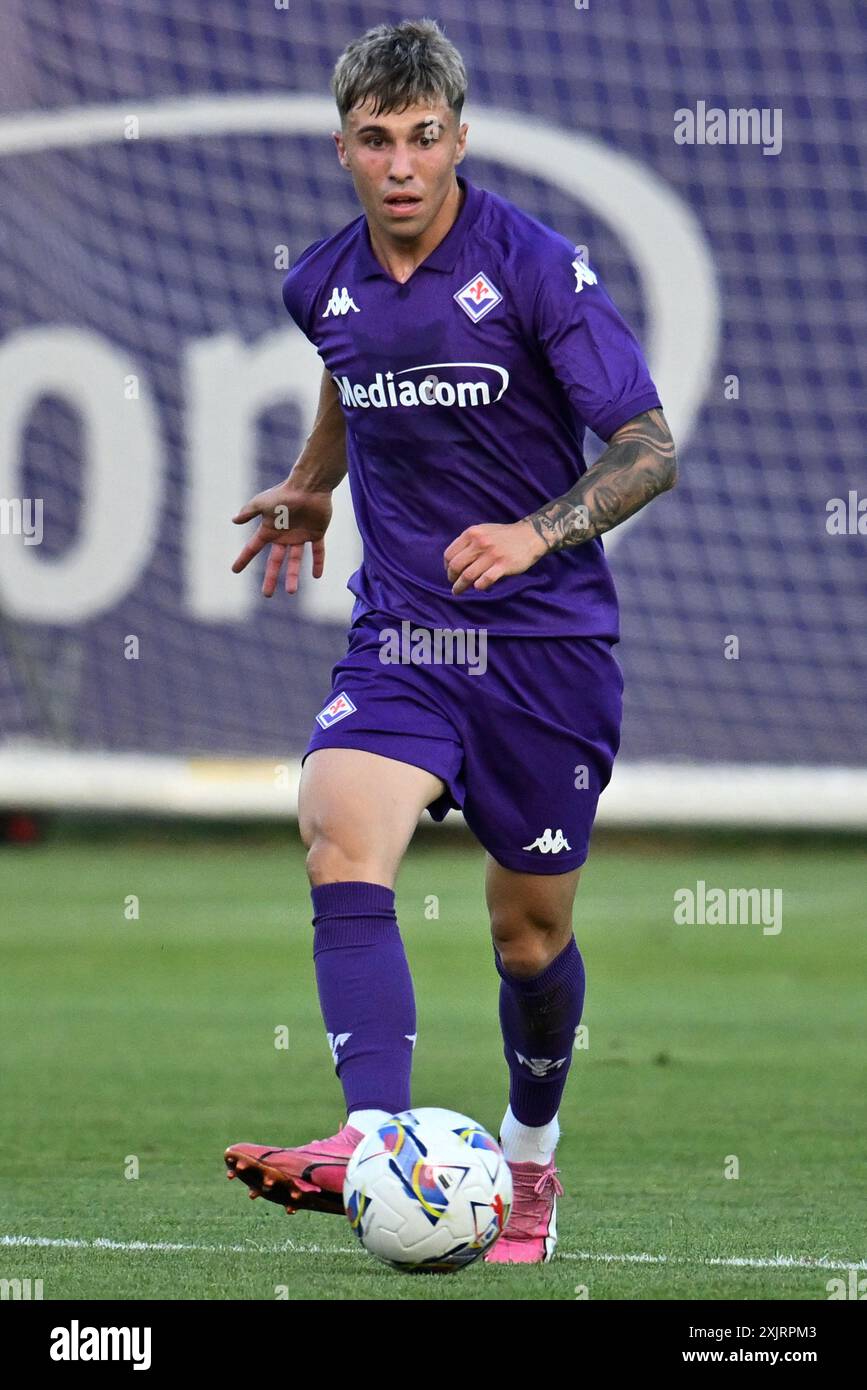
(367, 1120)
(528, 1143)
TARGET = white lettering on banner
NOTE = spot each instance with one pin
(127, 459)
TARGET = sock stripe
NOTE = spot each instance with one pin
(351, 899)
(343, 932)
(560, 968)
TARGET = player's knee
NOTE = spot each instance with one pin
(326, 860)
(527, 943)
(524, 959)
(331, 860)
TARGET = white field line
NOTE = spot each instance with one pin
(163, 1247)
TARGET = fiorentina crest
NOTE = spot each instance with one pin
(478, 297)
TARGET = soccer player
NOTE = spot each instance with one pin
(466, 349)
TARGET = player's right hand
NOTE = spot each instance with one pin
(291, 517)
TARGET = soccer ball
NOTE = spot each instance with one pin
(429, 1191)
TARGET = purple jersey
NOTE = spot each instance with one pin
(466, 393)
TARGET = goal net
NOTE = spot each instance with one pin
(160, 165)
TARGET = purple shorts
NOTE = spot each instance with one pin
(524, 747)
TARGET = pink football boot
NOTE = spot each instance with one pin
(309, 1178)
(530, 1236)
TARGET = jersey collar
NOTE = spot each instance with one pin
(444, 257)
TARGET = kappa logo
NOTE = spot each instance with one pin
(341, 302)
(339, 708)
(541, 1066)
(549, 843)
(336, 1040)
(583, 274)
(478, 297)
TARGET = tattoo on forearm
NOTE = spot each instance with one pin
(638, 464)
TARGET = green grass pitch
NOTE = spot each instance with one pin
(154, 1039)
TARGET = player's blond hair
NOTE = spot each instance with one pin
(400, 65)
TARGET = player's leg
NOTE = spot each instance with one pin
(541, 1001)
(357, 814)
(539, 736)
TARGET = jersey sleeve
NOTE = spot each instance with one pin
(294, 299)
(590, 348)
(298, 290)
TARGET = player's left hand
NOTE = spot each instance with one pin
(482, 554)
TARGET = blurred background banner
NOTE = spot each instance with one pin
(163, 163)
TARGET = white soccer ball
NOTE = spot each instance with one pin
(429, 1191)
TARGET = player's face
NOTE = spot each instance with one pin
(402, 164)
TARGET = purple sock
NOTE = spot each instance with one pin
(365, 993)
(538, 1017)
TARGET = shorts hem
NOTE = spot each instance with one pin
(520, 865)
(361, 741)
